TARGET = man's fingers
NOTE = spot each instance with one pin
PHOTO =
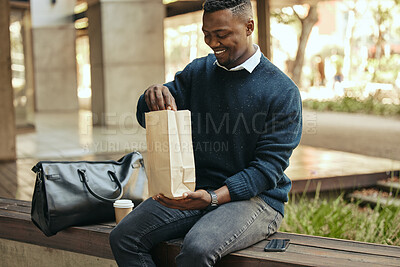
(147, 98)
(152, 104)
(159, 98)
(169, 99)
(193, 195)
(170, 203)
(173, 104)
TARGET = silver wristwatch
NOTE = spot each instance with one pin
(214, 199)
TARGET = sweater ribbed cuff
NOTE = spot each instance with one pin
(237, 188)
(142, 108)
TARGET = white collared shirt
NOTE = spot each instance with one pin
(250, 64)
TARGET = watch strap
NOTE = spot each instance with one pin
(214, 198)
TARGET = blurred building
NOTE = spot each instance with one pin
(63, 55)
(100, 55)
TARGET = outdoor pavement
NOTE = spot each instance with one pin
(72, 136)
(370, 135)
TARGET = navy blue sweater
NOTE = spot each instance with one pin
(244, 126)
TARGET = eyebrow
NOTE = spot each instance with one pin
(219, 30)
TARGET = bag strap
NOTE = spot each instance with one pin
(82, 173)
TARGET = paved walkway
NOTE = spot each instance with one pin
(68, 135)
(358, 133)
(311, 163)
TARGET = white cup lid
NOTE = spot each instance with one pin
(123, 204)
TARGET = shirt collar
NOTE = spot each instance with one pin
(250, 64)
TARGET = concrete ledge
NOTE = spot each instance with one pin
(16, 254)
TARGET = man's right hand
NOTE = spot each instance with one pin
(158, 97)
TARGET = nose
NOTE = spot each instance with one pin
(213, 42)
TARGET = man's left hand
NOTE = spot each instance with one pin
(197, 200)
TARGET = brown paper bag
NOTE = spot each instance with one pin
(170, 160)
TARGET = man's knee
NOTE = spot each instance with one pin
(119, 240)
(115, 238)
(197, 253)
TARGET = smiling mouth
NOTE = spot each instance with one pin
(219, 52)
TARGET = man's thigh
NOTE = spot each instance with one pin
(233, 226)
(151, 223)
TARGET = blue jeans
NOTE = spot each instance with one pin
(208, 236)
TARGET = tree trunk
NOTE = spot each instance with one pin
(306, 26)
(379, 44)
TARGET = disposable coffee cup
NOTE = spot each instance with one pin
(122, 207)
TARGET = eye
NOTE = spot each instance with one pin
(206, 37)
(222, 36)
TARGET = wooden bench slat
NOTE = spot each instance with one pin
(238, 261)
(100, 228)
(17, 208)
(15, 202)
(341, 244)
(86, 240)
(300, 239)
(355, 257)
(290, 258)
(300, 255)
(15, 224)
(296, 252)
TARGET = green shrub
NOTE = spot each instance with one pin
(385, 69)
(337, 218)
(354, 105)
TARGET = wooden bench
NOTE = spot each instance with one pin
(16, 225)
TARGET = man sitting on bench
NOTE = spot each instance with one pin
(238, 99)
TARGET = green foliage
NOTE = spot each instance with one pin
(369, 105)
(337, 218)
(286, 16)
(385, 69)
(330, 50)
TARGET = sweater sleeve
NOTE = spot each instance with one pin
(179, 89)
(282, 133)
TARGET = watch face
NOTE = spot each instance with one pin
(214, 198)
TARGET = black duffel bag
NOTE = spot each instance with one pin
(69, 193)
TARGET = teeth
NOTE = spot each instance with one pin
(219, 52)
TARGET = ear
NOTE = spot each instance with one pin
(250, 27)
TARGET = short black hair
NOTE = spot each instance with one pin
(238, 7)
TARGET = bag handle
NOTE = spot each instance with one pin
(82, 173)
